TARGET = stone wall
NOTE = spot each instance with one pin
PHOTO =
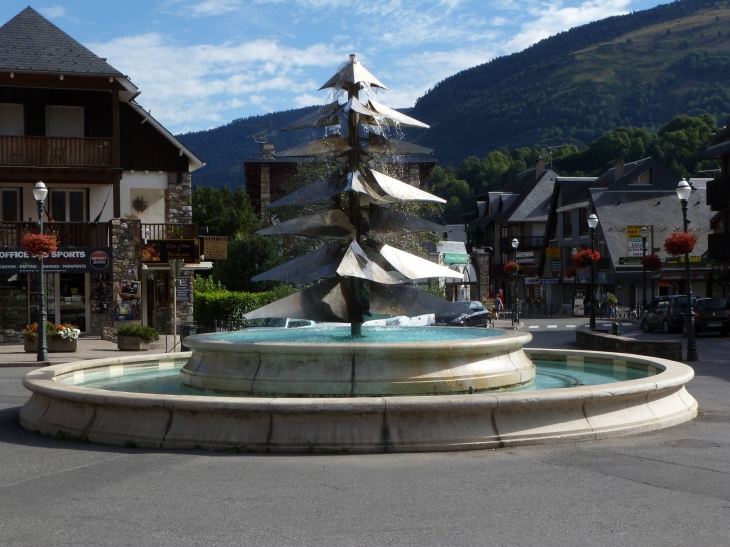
(482, 264)
(179, 199)
(598, 341)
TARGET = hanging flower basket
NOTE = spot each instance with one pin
(570, 271)
(585, 258)
(651, 262)
(680, 243)
(39, 244)
(511, 268)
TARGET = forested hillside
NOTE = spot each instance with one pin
(637, 70)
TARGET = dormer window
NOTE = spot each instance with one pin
(644, 178)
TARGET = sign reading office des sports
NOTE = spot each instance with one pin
(65, 260)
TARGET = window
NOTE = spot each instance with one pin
(10, 204)
(68, 205)
(644, 178)
(583, 220)
(12, 123)
(64, 121)
(567, 224)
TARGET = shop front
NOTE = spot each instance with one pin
(77, 285)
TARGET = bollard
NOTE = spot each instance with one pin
(614, 329)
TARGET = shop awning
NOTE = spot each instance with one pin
(164, 266)
(467, 270)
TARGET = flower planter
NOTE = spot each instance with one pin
(132, 343)
(55, 344)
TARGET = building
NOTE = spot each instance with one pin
(116, 179)
(718, 199)
(625, 198)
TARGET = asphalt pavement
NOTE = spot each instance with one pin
(663, 488)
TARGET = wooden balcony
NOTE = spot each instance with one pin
(169, 231)
(69, 234)
(55, 152)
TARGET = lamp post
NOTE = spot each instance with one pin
(683, 192)
(573, 252)
(592, 223)
(516, 300)
(644, 233)
(39, 193)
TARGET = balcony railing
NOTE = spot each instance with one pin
(55, 151)
(169, 231)
(69, 234)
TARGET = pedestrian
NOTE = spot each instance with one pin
(498, 306)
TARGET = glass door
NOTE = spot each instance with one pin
(72, 299)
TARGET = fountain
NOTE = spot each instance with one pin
(346, 387)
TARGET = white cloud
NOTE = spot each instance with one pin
(551, 19)
(214, 7)
(53, 12)
(307, 99)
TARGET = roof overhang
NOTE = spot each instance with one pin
(195, 161)
(573, 206)
(718, 150)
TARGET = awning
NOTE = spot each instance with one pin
(467, 270)
(188, 267)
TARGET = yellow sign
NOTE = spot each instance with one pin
(635, 243)
(552, 252)
(215, 247)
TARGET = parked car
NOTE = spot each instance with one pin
(666, 313)
(712, 315)
(466, 314)
(284, 323)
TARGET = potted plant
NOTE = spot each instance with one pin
(680, 243)
(586, 257)
(511, 268)
(136, 337)
(651, 262)
(59, 338)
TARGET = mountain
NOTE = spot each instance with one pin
(639, 69)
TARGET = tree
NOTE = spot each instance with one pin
(248, 256)
(225, 213)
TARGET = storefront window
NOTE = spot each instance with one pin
(13, 301)
(72, 296)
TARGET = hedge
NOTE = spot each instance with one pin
(231, 306)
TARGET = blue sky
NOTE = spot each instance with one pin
(203, 63)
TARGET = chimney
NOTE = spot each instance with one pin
(618, 169)
(267, 150)
(539, 166)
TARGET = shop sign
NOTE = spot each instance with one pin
(550, 280)
(681, 276)
(455, 258)
(215, 247)
(578, 308)
(630, 260)
(532, 281)
(694, 260)
(65, 260)
(184, 293)
(552, 252)
(163, 250)
(556, 265)
(525, 257)
(634, 241)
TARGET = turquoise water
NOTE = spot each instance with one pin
(370, 335)
(166, 381)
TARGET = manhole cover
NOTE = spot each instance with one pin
(692, 443)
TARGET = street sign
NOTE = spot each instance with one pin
(525, 257)
(453, 258)
(552, 252)
(215, 247)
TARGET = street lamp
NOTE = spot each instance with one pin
(39, 193)
(644, 232)
(573, 252)
(683, 192)
(592, 223)
(516, 300)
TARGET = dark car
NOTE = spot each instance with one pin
(665, 313)
(712, 315)
(466, 314)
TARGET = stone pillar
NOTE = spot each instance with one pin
(482, 262)
(125, 258)
(179, 199)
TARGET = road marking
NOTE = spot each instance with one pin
(552, 326)
(627, 324)
(570, 326)
(587, 326)
(606, 324)
(534, 327)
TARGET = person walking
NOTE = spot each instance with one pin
(498, 306)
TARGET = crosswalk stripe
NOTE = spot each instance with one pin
(570, 326)
(606, 324)
(534, 327)
(626, 324)
(552, 326)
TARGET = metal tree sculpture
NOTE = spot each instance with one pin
(355, 285)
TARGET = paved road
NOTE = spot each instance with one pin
(666, 488)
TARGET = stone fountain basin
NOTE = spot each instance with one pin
(360, 424)
(357, 368)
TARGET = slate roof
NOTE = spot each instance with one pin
(31, 43)
(661, 209)
(536, 204)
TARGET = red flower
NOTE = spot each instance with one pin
(511, 268)
(570, 271)
(39, 244)
(651, 262)
(586, 257)
(680, 243)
